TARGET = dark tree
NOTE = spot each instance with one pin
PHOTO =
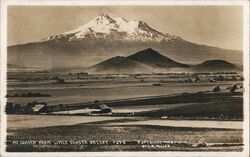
(233, 88)
(216, 89)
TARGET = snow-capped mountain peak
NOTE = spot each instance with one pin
(116, 28)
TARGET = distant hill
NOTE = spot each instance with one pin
(119, 64)
(155, 59)
(13, 67)
(149, 61)
(216, 65)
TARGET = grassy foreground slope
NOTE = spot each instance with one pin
(184, 138)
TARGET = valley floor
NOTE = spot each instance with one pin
(167, 116)
(95, 133)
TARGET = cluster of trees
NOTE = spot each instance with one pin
(195, 73)
(227, 78)
(12, 108)
(231, 89)
(216, 89)
(58, 80)
(29, 94)
(78, 73)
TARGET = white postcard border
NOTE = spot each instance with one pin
(3, 57)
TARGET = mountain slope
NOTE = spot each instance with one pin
(105, 26)
(121, 65)
(155, 59)
(107, 36)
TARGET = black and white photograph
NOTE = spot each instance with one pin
(117, 77)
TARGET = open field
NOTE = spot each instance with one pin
(183, 113)
(147, 108)
(78, 94)
(16, 122)
(107, 87)
(182, 135)
(186, 123)
(228, 108)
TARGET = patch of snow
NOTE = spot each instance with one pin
(106, 26)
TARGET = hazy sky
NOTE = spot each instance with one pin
(219, 26)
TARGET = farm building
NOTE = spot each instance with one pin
(103, 110)
(40, 108)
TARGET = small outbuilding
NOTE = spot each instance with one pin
(40, 108)
(103, 109)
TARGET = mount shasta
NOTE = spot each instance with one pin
(106, 36)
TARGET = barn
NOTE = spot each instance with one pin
(40, 108)
(103, 109)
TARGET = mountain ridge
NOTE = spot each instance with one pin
(149, 61)
(119, 64)
(155, 59)
(114, 28)
(108, 38)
